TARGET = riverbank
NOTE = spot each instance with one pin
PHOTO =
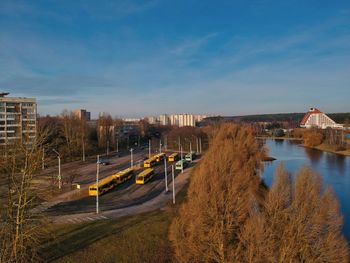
(279, 138)
(331, 149)
(322, 147)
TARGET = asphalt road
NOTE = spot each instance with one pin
(125, 195)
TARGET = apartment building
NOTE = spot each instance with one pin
(82, 114)
(17, 120)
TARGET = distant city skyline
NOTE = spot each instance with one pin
(146, 58)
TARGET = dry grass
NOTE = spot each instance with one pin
(140, 238)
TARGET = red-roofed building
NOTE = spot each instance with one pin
(316, 118)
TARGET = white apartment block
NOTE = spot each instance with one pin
(17, 120)
(180, 120)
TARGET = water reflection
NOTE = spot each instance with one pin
(336, 162)
(334, 169)
(314, 155)
(279, 141)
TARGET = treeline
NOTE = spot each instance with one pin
(71, 136)
(231, 216)
(314, 137)
(279, 117)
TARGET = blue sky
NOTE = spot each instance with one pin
(140, 58)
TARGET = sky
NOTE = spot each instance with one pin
(144, 58)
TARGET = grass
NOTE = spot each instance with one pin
(138, 238)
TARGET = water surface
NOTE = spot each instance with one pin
(334, 169)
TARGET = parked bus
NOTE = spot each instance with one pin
(173, 157)
(106, 184)
(160, 157)
(150, 162)
(180, 165)
(190, 156)
(124, 175)
(145, 176)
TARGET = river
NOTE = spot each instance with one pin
(334, 169)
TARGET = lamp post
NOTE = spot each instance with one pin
(59, 168)
(182, 161)
(43, 160)
(149, 148)
(173, 177)
(131, 158)
(97, 175)
(166, 176)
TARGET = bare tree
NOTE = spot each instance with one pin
(20, 226)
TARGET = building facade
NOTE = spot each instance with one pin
(18, 120)
(83, 114)
(315, 118)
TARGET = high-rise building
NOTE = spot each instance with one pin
(17, 120)
(164, 119)
(83, 114)
(186, 119)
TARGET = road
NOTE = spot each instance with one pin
(125, 195)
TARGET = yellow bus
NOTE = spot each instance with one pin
(104, 186)
(110, 182)
(160, 157)
(150, 162)
(173, 157)
(145, 176)
(124, 175)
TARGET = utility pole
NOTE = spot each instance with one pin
(117, 144)
(173, 177)
(166, 176)
(59, 169)
(97, 175)
(179, 143)
(149, 148)
(107, 149)
(131, 158)
(43, 160)
(83, 151)
(182, 162)
(166, 143)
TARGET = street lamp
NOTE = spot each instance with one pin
(149, 148)
(131, 158)
(166, 176)
(173, 177)
(59, 168)
(97, 178)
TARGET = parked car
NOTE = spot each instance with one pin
(105, 161)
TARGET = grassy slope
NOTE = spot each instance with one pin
(139, 238)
